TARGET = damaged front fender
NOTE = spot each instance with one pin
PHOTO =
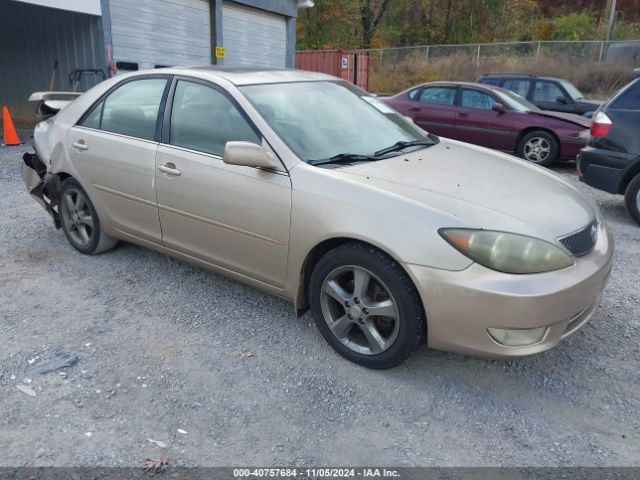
(42, 186)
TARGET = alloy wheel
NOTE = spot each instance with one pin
(359, 310)
(77, 217)
(537, 149)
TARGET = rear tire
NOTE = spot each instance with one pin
(632, 199)
(538, 147)
(370, 303)
(80, 222)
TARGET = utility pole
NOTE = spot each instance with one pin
(612, 18)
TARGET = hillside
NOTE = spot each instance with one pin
(394, 23)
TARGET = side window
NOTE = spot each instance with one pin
(204, 119)
(547, 92)
(132, 109)
(476, 99)
(629, 99)
(93, 119)
(521, 87)
(438, 95)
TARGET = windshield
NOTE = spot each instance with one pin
(572, 90)
(321, 120)
(516, 102)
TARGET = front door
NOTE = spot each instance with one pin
(114, 150)
(234, 217)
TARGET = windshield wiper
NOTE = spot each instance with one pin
(396, 147)
(344, 158)
(355, 157)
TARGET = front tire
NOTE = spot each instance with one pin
(632, 199)
(366, 306)
(80, 221)
(539, 147)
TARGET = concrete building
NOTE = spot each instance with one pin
(112, 36)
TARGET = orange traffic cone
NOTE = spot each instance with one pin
(10, 134)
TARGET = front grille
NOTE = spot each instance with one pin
(582, 242)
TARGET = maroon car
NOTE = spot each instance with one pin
(495, 118)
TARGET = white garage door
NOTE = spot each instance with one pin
(153, 33)
(253, 37)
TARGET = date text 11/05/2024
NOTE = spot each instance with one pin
(315, 473)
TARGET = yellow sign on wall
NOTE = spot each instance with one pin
(219, 52)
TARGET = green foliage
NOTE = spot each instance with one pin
(574, 26)
(627, 31)
(392, 23)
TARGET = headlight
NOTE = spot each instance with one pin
(507, 252)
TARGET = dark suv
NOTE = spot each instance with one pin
(546, 93)
(611, 160)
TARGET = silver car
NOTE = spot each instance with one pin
(313, 190)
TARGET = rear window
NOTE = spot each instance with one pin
(629, 99)
(519, 86)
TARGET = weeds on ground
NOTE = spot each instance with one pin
(595, 80)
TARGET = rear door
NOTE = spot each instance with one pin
(477, 123)
(113, 147)
(234, 217)
(433, 109)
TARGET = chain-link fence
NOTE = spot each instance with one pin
(592, 51)
(598, 67)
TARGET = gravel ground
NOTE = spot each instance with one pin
(156, 339)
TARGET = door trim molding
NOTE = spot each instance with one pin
(125, 195)
(219, 224)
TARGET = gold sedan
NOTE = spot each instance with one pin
(311, 189)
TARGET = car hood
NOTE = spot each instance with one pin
(480, 188)
(568, 117)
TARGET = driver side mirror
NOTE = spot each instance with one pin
(561, 99)
(248, 154)
(498, 107)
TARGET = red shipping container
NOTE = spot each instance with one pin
(352, 66)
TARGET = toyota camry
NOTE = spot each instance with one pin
(304, 186)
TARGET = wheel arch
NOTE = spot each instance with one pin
(52, 184)
(630, 175)
(301, 298)
(531, 129)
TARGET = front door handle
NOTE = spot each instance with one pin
(170, 169)
(415, 109)
(463, 114)
(80, 145)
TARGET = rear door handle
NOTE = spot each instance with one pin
(463, 114)
(80, 145)
(170, 169)
(415, 109)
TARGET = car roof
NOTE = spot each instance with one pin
(480, 86)
(244, 75)
(518, 75)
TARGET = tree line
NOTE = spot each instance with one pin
(395, 23)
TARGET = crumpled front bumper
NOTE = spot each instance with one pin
(41, 186)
